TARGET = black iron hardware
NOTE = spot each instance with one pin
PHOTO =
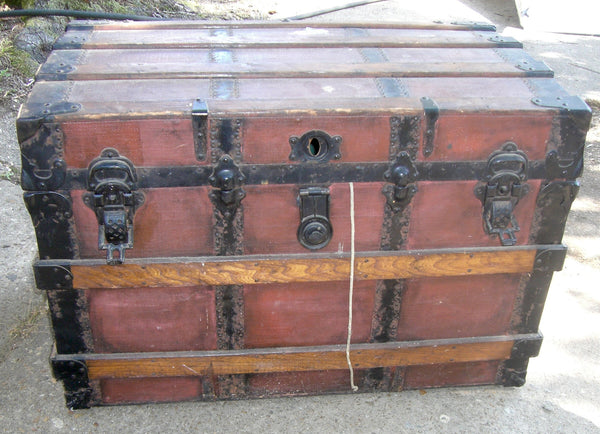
(52, 276)
(112, 182)
(41, 155)
(553, 204)
(402, 174)
(74, 375)
(475, 25)
(315, 229)
(200, 128)
(500, 191)
(504, 41)
(432, 113)
(567, 141)
(569, 167)
(52, 217)
(227, 179)
(316, 146)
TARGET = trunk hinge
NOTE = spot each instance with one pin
(112, 182)
(501, 189)
(200, 128)
(432, 113)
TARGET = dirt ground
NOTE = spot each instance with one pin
(562, 393)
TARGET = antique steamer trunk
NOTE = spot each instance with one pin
(212, 201)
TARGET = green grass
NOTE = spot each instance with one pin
(14, 61)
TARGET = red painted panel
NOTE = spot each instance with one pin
(266, 140)
(452, 374)
(475, 137)
(447, 214)
(303, 383)
(143, 390)
(146, 142)
(172, 222)
(272, 217)
(306, 313)
(153, 319)
(436, 308)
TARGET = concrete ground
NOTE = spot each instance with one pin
(562, 393)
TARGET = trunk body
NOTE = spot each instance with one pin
(200, 192)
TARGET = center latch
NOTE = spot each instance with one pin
(401, 175)
(501, 189)
(315, 229)
(112, 184)
(227, 180)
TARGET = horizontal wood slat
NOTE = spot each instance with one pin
(294, 359)
(280, 38)
(102, 100)
(255, 269)
(182, 24)
(305, 70)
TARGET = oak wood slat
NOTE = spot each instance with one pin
(273, 38)
(293, 359)
(191, 70)
(247, 270)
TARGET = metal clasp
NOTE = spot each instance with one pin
(315, 230)
(227, 179)
(112, 183)
(402, 174)
(505, 175)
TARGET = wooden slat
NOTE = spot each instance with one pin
(61, 63)
(294, 359)
(279, 38)
(191, 70)
(130, 99)
(182, 24)
(248, 270)
(167, 109)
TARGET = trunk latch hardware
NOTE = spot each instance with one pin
(112, 183)
(501, 189)
(315, 229)
(315, 146)
(401, 175)
(227, 179)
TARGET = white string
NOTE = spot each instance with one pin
(351, 291)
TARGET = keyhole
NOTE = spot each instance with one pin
(314, 147)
